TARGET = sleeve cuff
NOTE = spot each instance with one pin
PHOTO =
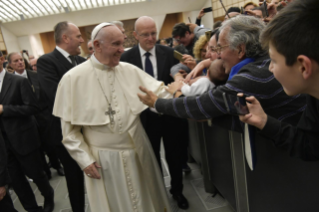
(271, 128)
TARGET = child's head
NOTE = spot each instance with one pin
(216, 72)
(292, 39)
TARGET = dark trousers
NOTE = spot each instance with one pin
(31, 166)
(6, 204)
(74, 179)
(174, 132)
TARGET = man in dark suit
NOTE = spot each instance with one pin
(16, 62)
(157, 60)
(18, 105)
(51, 67)
(5, 198)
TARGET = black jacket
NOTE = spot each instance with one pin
(164, 59)
(19, 107)
(301, 141)
(4, 175)
(50, 68)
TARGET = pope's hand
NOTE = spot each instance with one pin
(91, 171)
(256, 116)
(2, 192)
(149, 99)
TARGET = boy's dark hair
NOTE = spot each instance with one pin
(180, 30)
(233, 9)
(294, 31)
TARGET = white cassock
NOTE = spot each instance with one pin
(131, 179)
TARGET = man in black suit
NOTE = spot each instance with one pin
(5, 198)
(18, 105)
(16, 62)
(157, 60)
(51, 67)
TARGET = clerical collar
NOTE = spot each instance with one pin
(24, 74)
(142, 51)
(101, 65)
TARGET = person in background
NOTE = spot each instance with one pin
(250, 6)
(90, 48)
(33, 64)
(157, 60)
(51, 67)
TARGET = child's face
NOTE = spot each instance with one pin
(289, 76)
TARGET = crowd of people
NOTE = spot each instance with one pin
(100, 120)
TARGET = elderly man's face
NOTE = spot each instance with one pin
(230, 57)
(90, 48)
(33, 64)
(17, 63)
(112, 46)
(74, 40)
(146, 34)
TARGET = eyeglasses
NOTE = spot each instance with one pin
(219, 48)
(90, 48)
(146, 35)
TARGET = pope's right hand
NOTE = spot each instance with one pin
(92, 172)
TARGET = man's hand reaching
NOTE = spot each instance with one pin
(149, 99)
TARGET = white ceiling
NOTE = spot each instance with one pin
(15, 10)
(86, 17)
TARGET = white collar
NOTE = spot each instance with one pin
(24, 74)
(2, 74)
(98, 62)
(142, 51)
(63, 52)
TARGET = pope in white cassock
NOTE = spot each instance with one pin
(99, 111)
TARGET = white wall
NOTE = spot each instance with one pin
(10, 40)
(36, 45)
(24, 44)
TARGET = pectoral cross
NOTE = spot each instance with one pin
(111, 113)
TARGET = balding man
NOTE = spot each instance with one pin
(102, 129)
(157, 60)
(51, 67)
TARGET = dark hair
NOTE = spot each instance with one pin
(59, 29)
(181, 48)
(294, 31)
(233, 9)
(1, 54)
(180, 30)
(217, 24)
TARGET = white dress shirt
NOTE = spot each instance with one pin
(24, 74)
(64, 53)
(2, 74)
(152, 59)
